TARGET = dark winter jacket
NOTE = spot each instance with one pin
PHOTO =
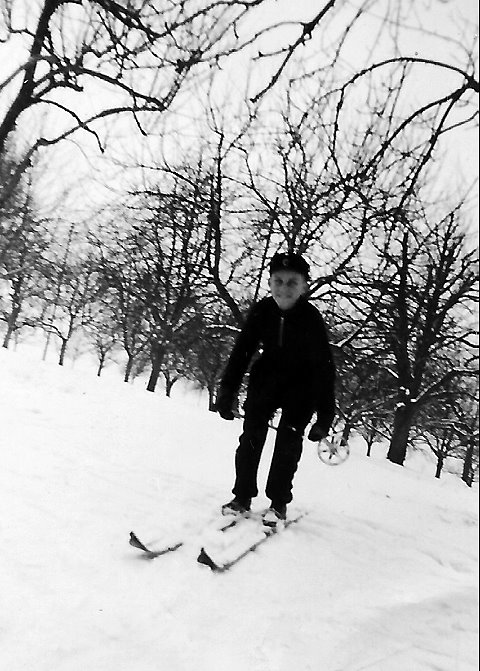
(295, 357)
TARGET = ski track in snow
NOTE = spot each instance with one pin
(381, 575)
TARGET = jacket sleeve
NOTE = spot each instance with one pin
(325, 384)
(243, 350)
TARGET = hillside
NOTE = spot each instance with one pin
(381, 575)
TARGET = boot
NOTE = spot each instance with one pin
(236, 506)
(275, 514)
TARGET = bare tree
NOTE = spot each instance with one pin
(417, 297)
(137, 56)
(299, 201)
(364, 404)
(17, 208)
(25, 277)
(442, 443)
(223, 213)
(321, 178)
(131, 317)
(24, 241)
(159, 263)
(465, 423)
(102, 331)
(208, 349)
(68, 293)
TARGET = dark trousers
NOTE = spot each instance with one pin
(259, 409)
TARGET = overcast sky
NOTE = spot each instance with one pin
(445, 17)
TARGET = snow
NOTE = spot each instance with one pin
(380, 575)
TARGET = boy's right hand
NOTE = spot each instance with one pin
(223, 406)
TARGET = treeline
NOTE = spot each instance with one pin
(333, 148)
(166, 275)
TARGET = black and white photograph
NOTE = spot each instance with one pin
(239, 425)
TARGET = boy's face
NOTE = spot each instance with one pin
(287, 286)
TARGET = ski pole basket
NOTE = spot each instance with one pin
(333, 450)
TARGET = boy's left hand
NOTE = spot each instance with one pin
(316, 433)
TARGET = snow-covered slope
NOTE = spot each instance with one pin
(380, 575)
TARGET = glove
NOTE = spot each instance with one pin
(223, 406)
(317, 432)
(226, 414)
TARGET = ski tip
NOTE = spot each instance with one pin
(206, 560)
(137, 543)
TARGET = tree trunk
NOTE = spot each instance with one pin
(402, 424)
(128, 368)
(13, 316)
(440, 460)
(101, 364)
(211, 398)
(157, 354)
(371, 436)
(345, 434)
(23, 98)
(467, 473)
(63, 350)
(169, 382)
(11, 327)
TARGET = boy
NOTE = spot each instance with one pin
(295, 372)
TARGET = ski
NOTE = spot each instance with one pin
(150, 553)
(261, 535)
(227, 522)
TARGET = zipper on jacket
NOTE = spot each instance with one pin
(280, 331)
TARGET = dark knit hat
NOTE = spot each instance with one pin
(292, 262)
